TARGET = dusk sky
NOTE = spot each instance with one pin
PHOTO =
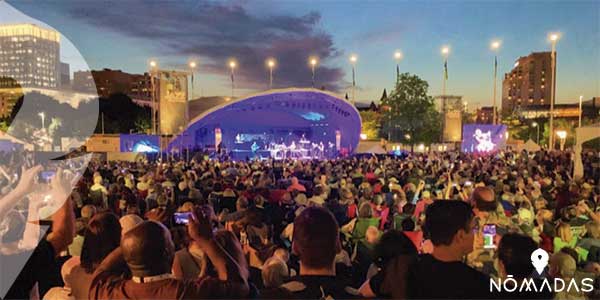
(127, 34)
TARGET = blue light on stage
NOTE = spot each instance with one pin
(139, 143)
(312, 116)
(145, 147)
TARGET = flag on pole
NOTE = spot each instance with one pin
(397, 73)
(446, 69)
(353, 78)
(495, 64)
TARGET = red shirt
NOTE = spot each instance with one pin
(421, 206)
(296, 186)
(416, 237)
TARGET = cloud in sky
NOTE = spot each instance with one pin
(216, 32)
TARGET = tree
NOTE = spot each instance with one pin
(60, 119)
(560, 124)
(384, 95)
(370, 123)
(112, 108)
(409, 114)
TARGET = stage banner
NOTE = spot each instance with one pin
(483, 138)
(103, 143)
(139, 143)
(172, 101)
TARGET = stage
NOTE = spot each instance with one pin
(280, 124)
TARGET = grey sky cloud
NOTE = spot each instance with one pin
(216, 32)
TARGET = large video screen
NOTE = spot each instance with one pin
(139, 143)
(483, 138)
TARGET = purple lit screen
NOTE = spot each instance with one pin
(483, 138)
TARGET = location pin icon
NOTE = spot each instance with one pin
(539, 260)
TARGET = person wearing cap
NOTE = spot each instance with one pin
(128, 222)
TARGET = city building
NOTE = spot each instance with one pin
(108, 82)
(529, 83)
(590, 109)
(485, 115)
(30, 55)
(9, 92)
(65, 75)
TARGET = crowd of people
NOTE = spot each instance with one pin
(424, 226)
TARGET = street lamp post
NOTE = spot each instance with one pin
(313, 64)
(495, 46)
(153, 67)
(445, 52)
(563, 136)
(353, 60)
(43, 117)
(271, 65)
(187, 111)
(535, 124)
(398, 57)
(553, 39)
(580, 109)
(232, 66)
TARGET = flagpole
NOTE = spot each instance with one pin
(353, 84)
(232, 84)
(494, 46)
(232, 65)
(445, 78)
(445, 51)
(495, 110)
(353, 59)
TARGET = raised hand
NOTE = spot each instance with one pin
(199, 227)
(157, 215)
(27, 180)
